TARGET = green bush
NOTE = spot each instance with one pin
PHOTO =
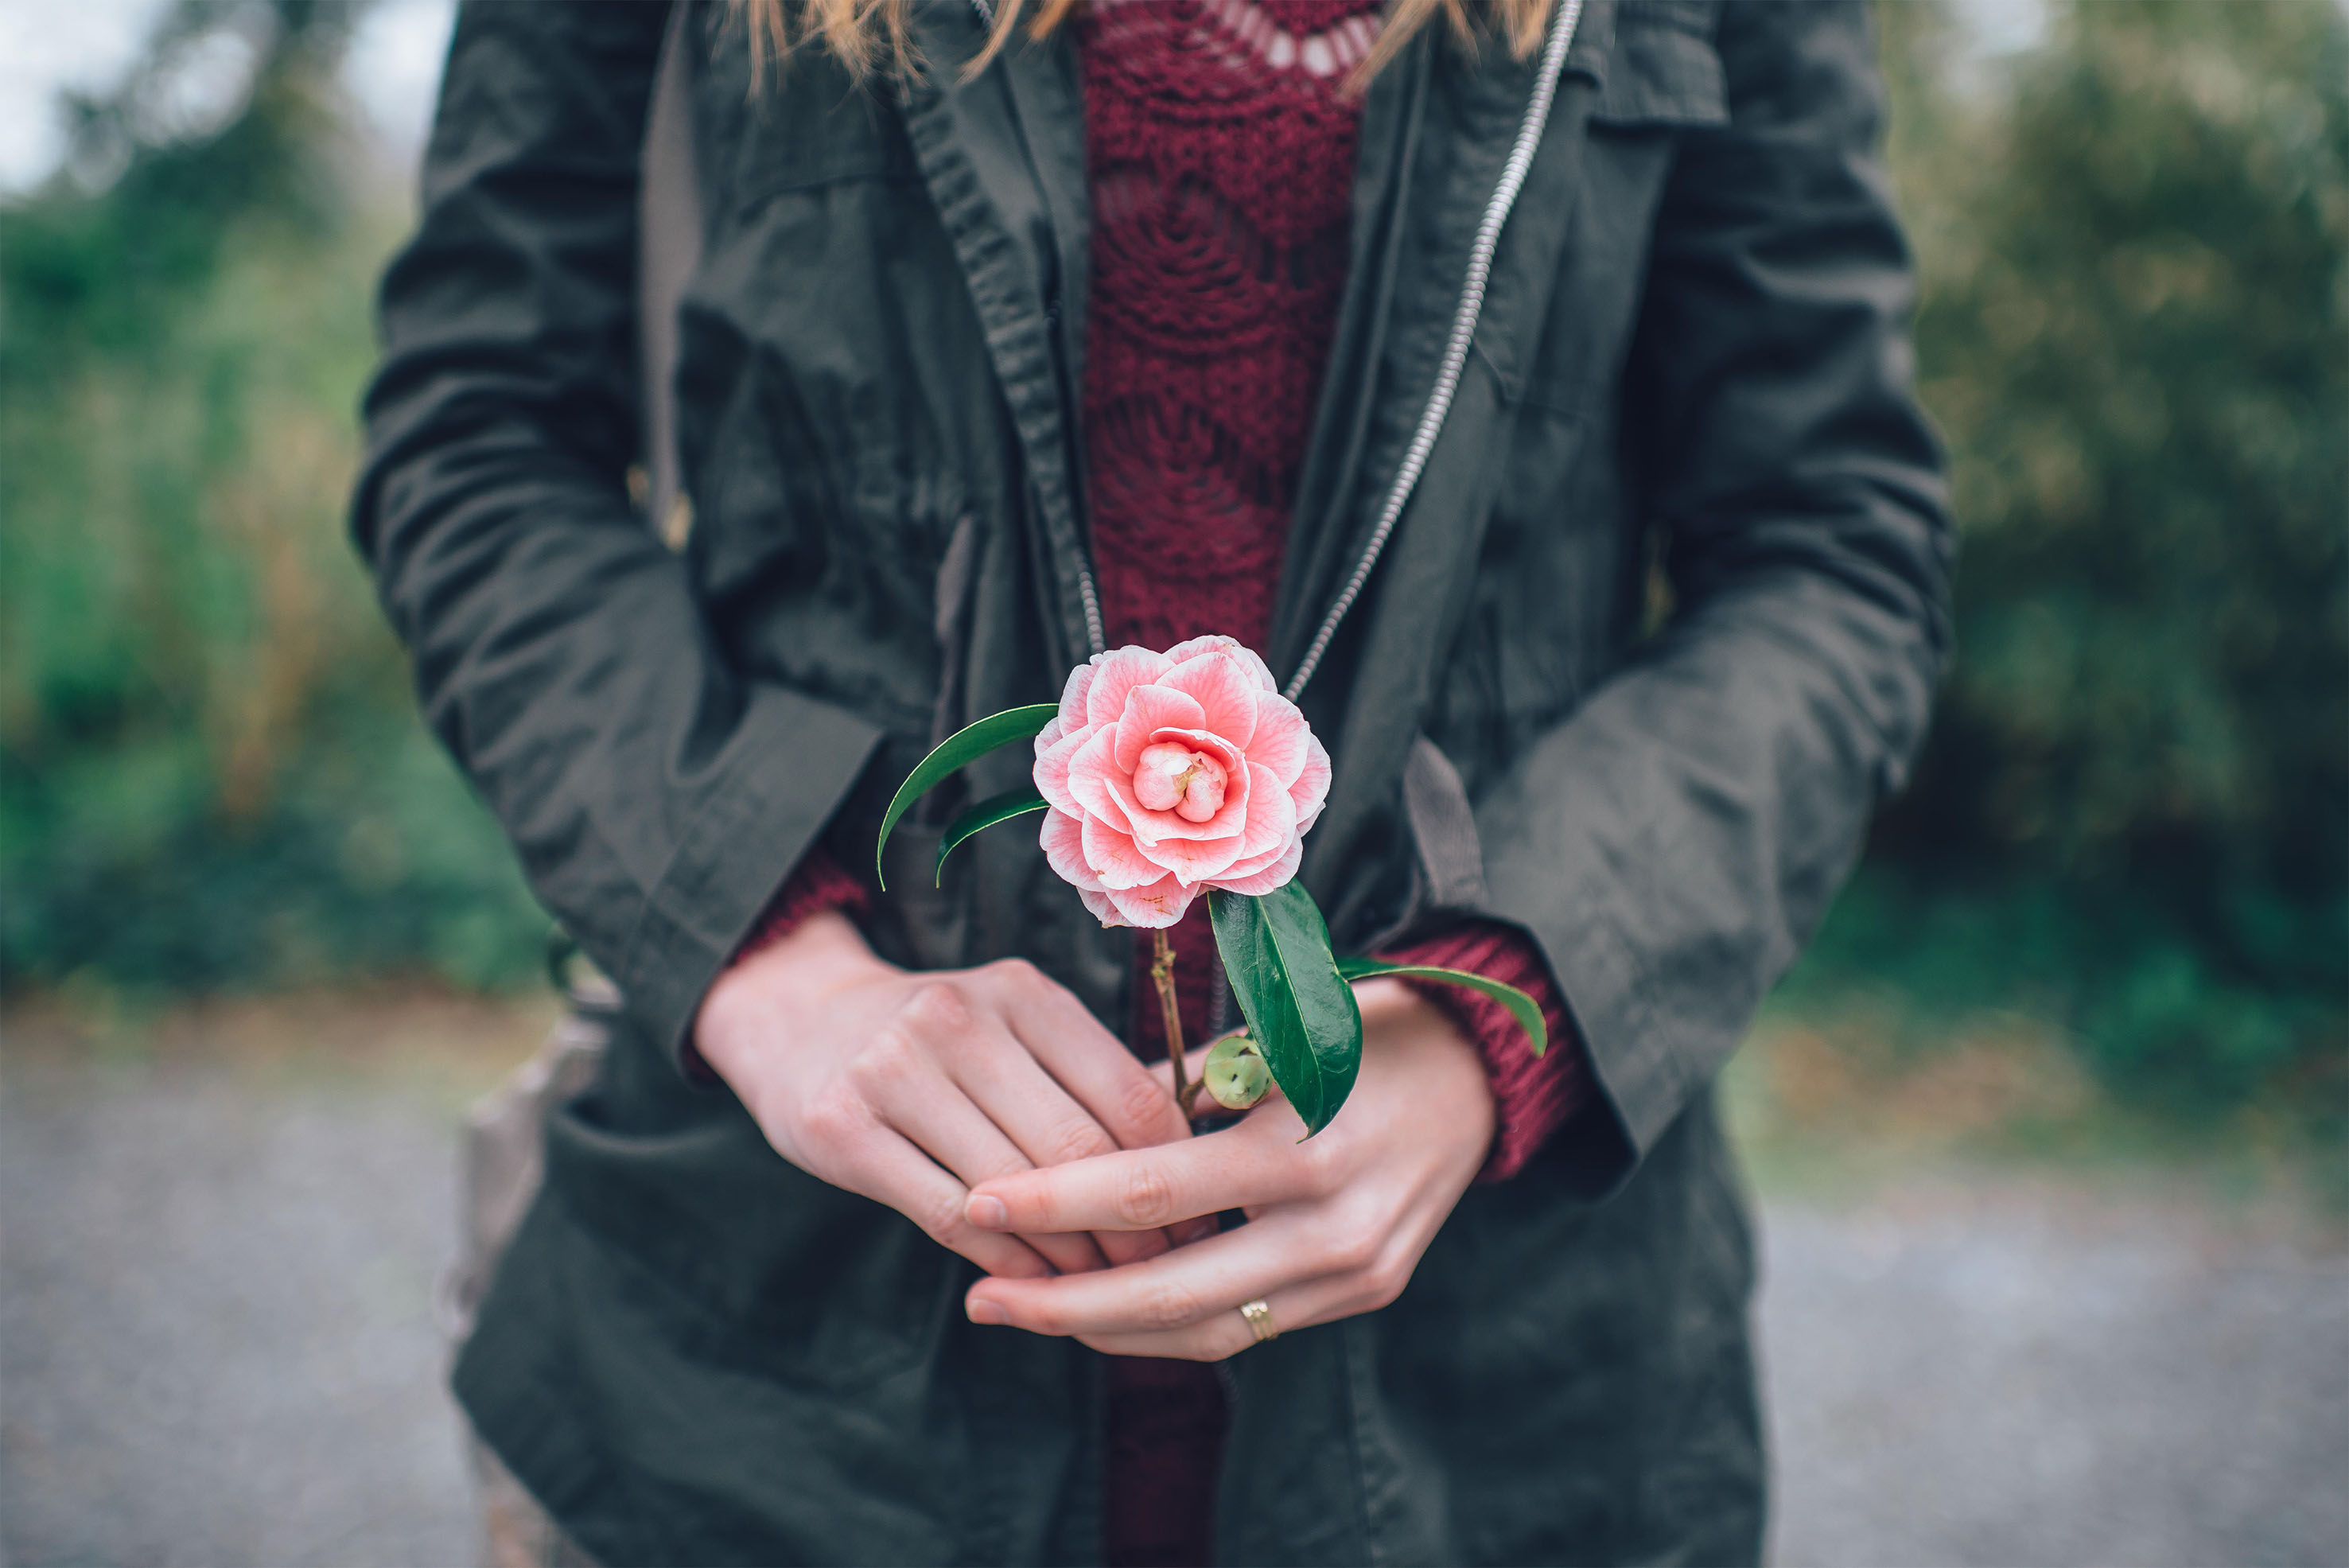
(2134, 250)
(209, 769)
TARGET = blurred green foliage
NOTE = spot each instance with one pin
(2133, 817)
(2133, 820)
(210, 770)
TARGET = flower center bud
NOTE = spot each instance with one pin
(1172, 777)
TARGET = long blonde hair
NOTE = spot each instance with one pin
(862, 33)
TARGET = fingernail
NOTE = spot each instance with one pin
(984, 1310)
(987, 1212)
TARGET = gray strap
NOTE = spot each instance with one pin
(1445, 828)
(669, 250)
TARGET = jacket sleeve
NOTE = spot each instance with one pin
(657, 798)
(1675, 840)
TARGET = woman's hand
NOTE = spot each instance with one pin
(1337, 1222)
(911, 1088)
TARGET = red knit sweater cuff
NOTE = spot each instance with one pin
(815, 885)
(1533, 1095)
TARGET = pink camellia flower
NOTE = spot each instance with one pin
(1168, 772)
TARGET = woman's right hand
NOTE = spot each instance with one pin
(913, 1088)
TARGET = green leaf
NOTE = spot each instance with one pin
(1521, 1006)
(994, 808)
(965, 745)
(1300, 1009)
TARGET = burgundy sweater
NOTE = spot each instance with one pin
(1220, 158)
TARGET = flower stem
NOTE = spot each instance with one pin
(1162, 971)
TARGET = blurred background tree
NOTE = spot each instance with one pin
(2133, 817)
(2132, 823)
(209, 772)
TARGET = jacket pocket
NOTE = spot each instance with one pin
(1664, 71)
(750, 1261)
(813, 128)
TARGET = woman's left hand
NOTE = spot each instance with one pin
(1337, 1222)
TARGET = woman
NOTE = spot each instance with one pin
(1407, 345)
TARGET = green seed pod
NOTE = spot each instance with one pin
(1236, 1072)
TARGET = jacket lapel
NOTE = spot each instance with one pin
(1370, 705)
(1436, 132)
(1007, 223)
(1393, 111)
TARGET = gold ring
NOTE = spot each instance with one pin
(1259, 1321)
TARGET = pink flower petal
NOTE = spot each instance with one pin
(1095, 782)
(1115, 673)
(1063, 837)
(1072, 698)
(1225, 691)
(1272, 813)
(1215, 641)
(1151, 707)
(1265, 881)
(1146, 826)
(1052, 770)
(1311, 790)
(1115, 860)
(1231, 758)
(1099, 907)
(1282, 737)
(1253, 667)
(1191, 860)
(1153, 907)
(1249, 864)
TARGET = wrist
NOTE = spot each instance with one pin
(1450, 1082)
(1393, 1006)
(751, 1000)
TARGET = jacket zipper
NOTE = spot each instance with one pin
(1456, 352)
(1463, 332)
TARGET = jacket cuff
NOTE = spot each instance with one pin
(1533, 1097)
(791, 765)
(819, 884)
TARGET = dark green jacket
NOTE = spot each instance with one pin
(1688, 367)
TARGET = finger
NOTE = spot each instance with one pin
(1185, 1287)
(925, 1104)
(1195, 1063)
(891, 1170)
(1092, 1064)
(1221, 1335)
(1037, 1115)
(1186, 1231)
(1256, 1163)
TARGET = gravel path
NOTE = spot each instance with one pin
(2022, 1373)
(216, 1340)
(216, 1347)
